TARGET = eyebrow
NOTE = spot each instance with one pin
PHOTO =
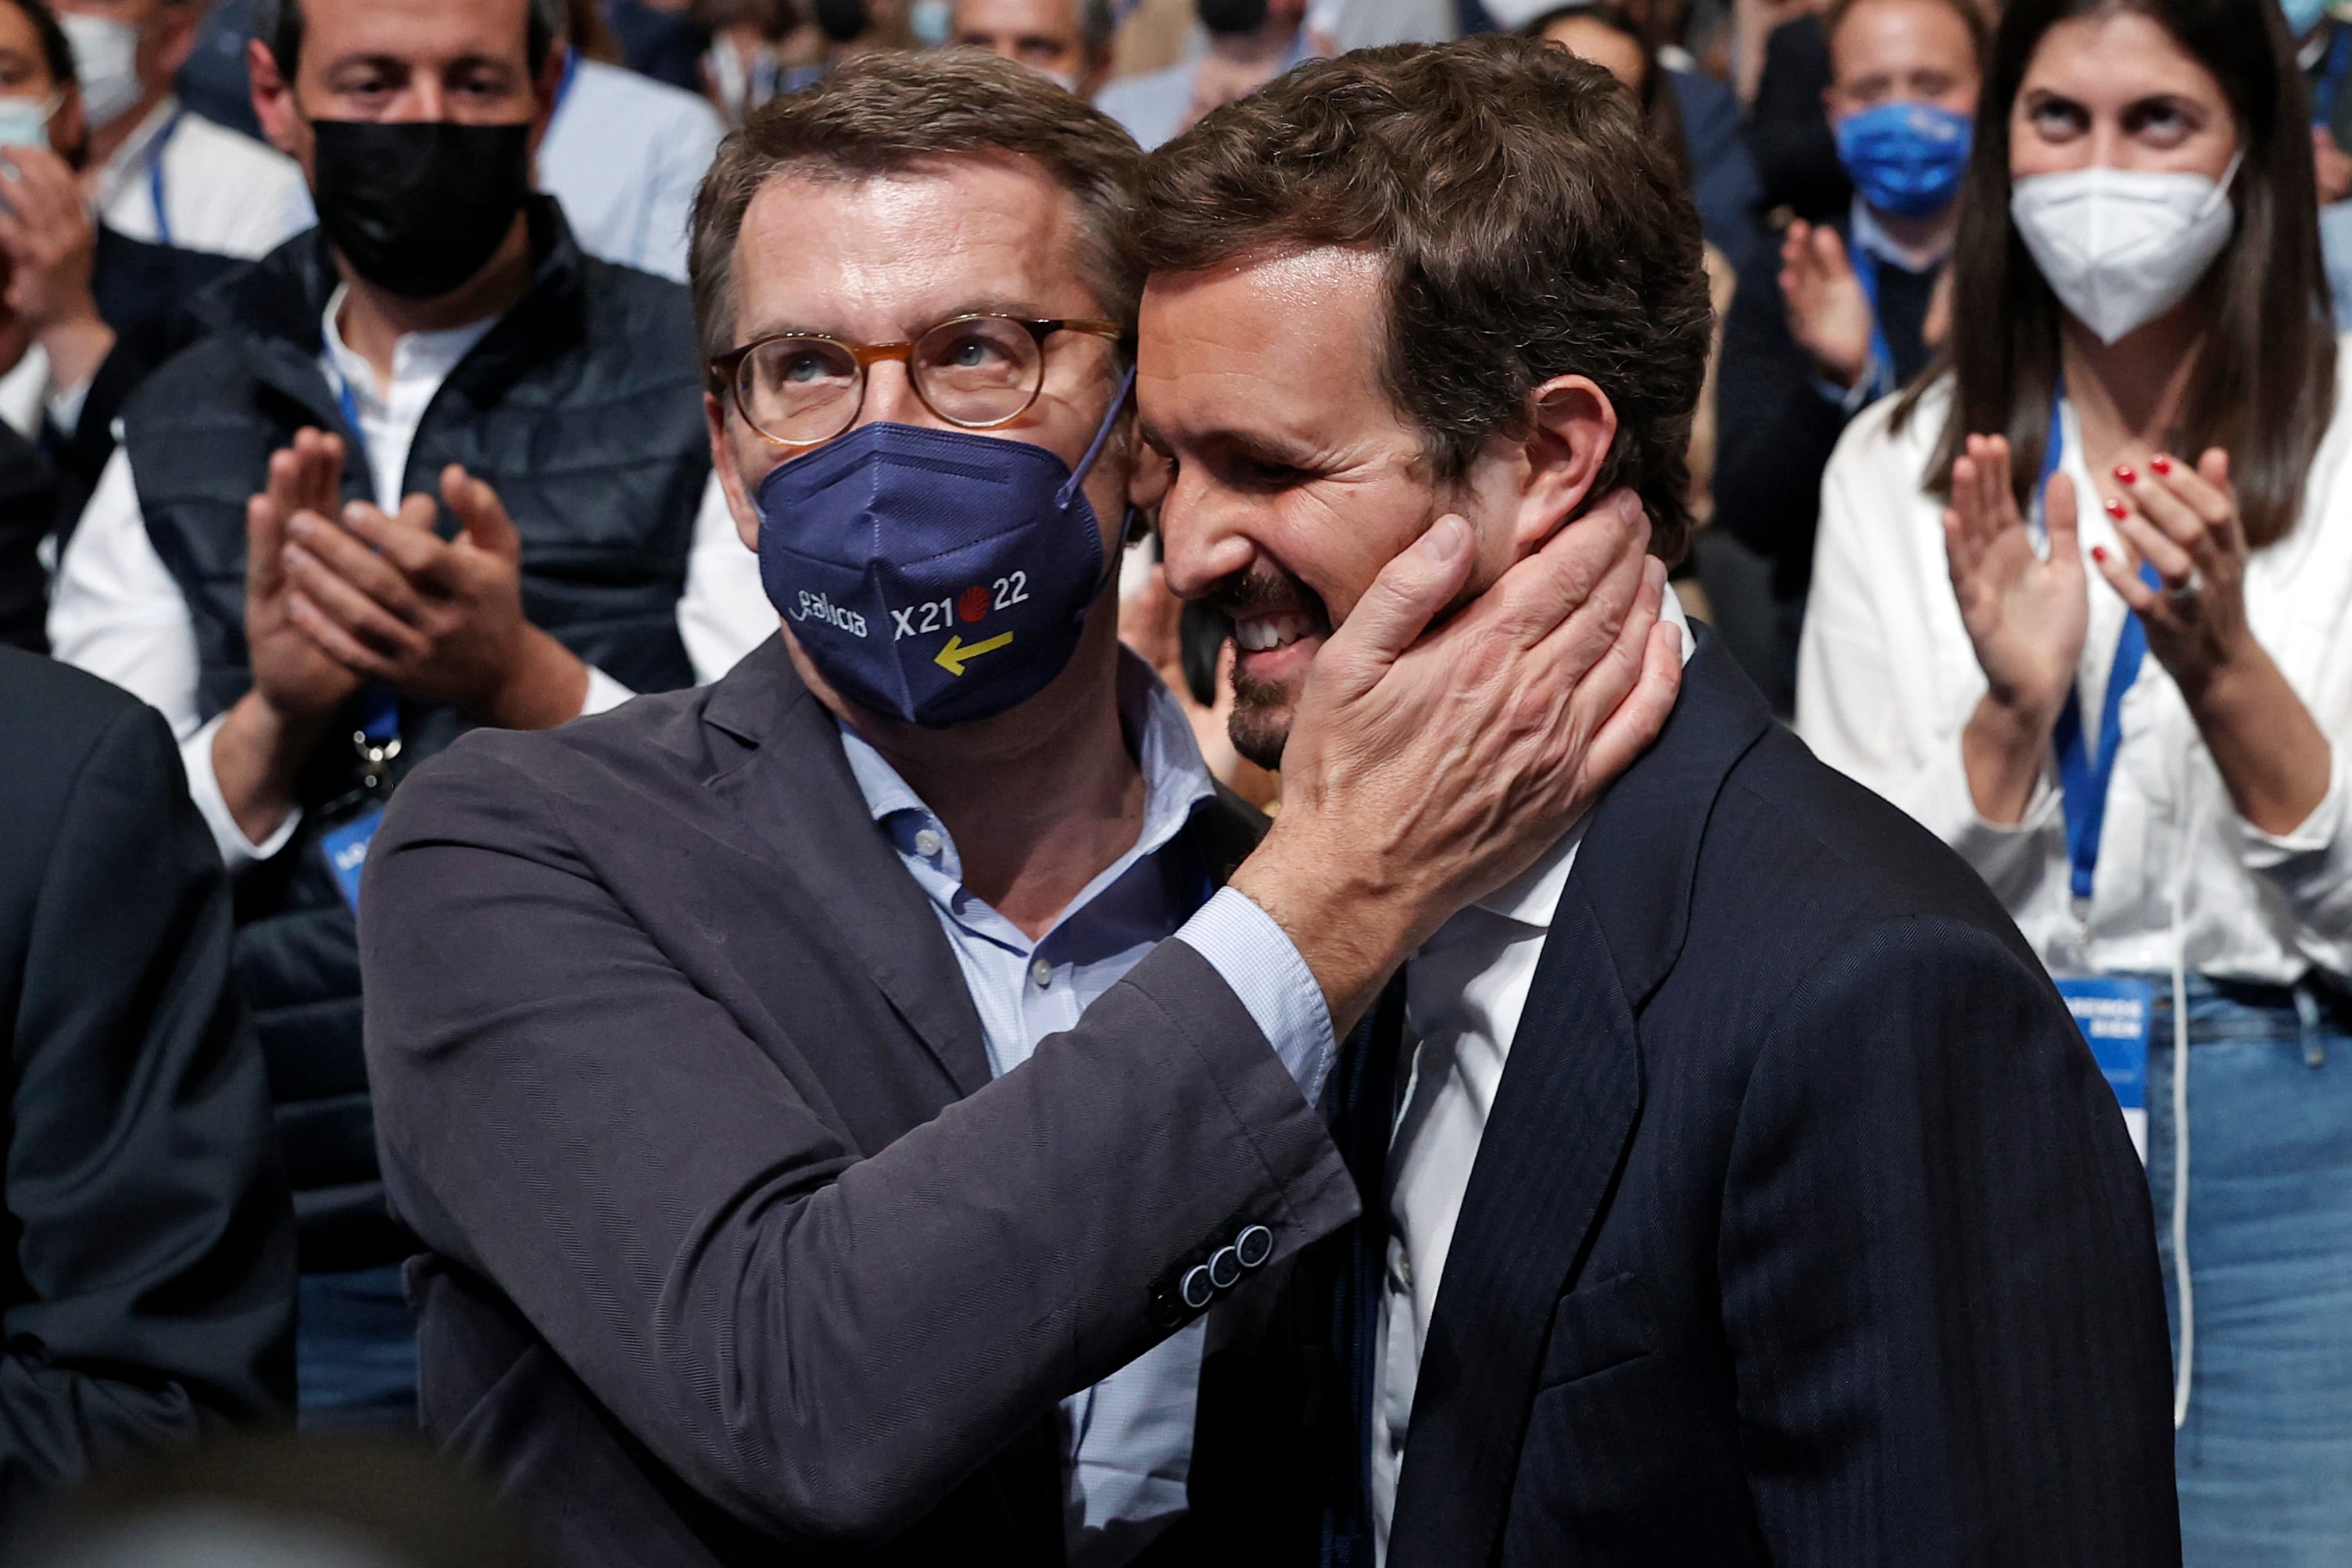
(984, 305)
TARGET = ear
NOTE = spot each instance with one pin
(1572, 425)
(546, 90)
(176, 36)
(731, 478)
(274, 105)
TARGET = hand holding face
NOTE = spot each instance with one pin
(2026, 616)
(439, 619)
(1829, 315)
(292, 672)
(2184, 523)
(1425, 769)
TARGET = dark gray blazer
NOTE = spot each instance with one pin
(734, 1244)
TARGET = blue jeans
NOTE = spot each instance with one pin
(2265, 1458)
(355, 1350)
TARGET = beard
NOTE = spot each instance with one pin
(1259, 726)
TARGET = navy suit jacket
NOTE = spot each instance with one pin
(1804, 1229)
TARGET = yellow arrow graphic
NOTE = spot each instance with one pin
(956, 655)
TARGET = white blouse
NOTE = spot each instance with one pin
(1887, 680)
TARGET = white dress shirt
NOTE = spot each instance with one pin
(1464, 991)
(1128, 1440)
(117, 612)
(222, 191)
(624, 156)
(1887, 679)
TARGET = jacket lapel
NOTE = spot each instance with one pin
(807, 819)
(1561, 1122)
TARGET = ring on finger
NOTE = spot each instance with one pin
(2182, 591)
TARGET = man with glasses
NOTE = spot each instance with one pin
(820, 1148)
(433, 468)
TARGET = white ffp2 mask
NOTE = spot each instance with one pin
(106, 60)
(2121, 247)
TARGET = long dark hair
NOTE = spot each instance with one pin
(2264, 388)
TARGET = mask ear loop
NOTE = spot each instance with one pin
(2222, 187)
(1085, 465)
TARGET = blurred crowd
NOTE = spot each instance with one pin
(358, 389)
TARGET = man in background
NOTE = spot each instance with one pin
(147, 1288)
(1068, 40)
(1840, 314)
(433, 468)
(155, 171)
(1250, 42)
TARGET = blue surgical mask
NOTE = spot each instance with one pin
(939, 576)
(1905, 158)
(25, 122)
(2302, 16)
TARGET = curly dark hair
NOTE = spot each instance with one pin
(1532, 230)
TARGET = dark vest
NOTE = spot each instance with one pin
(583, 408)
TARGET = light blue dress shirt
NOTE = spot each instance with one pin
(1130, 1436)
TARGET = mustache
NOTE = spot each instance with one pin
(1264, 586)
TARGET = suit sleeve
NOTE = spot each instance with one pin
(152, 1222)
(822, 1343)
(1938, 1273)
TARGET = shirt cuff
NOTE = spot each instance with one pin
(1251, 954)
(604, 693)
(2312, 836)
(204, 788)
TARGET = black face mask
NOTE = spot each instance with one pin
(1231, 17)
(419, 207)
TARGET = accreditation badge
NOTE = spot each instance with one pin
(2116, 1014)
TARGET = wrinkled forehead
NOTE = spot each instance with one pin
(878, 257)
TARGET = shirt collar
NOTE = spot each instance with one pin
(1532, 898)
(1176, 781)
(131, 156)
(418, 357)
(1867, 235)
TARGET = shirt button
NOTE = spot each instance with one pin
(927, 844)
(1042, 973)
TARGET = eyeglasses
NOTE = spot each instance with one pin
(975, 371)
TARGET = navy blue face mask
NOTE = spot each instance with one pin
(939, 576)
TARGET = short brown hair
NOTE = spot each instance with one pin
(1971, 15)
(1530, 230)
(890, 112)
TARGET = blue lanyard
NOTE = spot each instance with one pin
(2330, 85)
(155, 176)
(2083, 780)
(1881, 357)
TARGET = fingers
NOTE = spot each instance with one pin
(1638, 720)
(480, 512)
(2125, 580)
(372, 625)
(307, 475)
(2061, 519)
(1539, 594)
(339, 644)
(1829, 252)
(348, 557)
(264, 537)
(409, 544)
(2152, 545)
(1403, 599)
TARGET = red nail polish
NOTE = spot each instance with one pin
(2099, 553)
(2122, 472)
(2161, 463)
(2117, 510)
